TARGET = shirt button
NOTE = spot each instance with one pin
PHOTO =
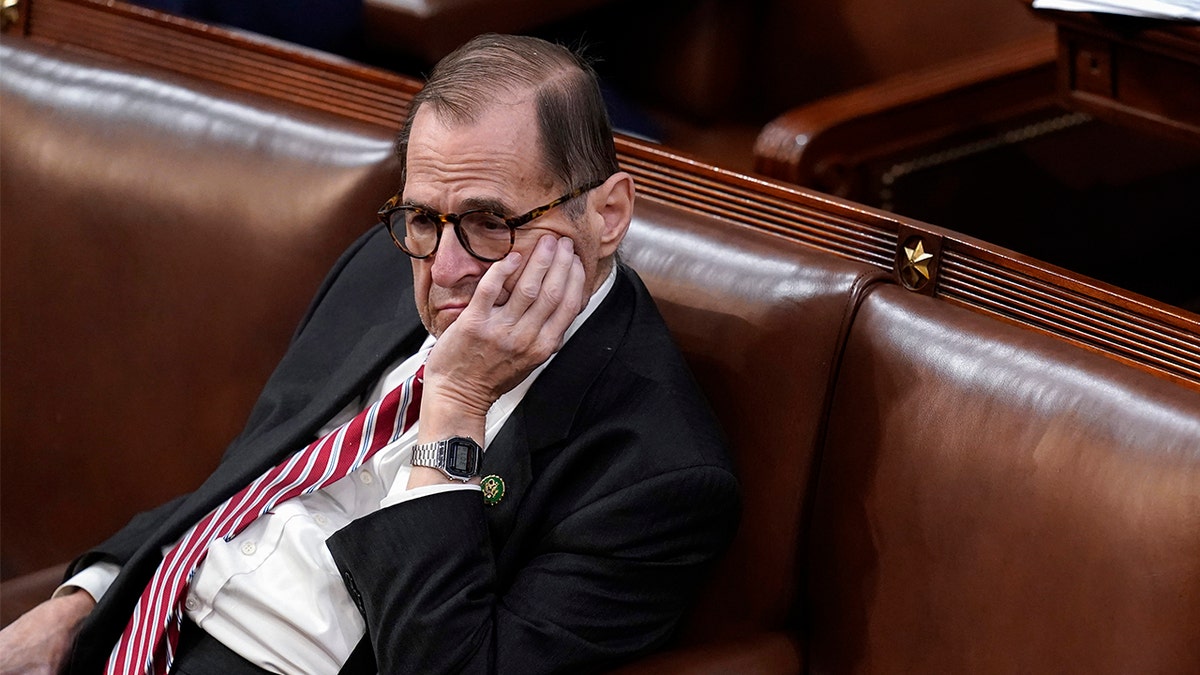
(248, 548)
(191, 604)
(366, 477)
(321, 519)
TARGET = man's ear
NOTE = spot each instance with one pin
(613, 203)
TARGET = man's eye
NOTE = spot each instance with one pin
(488, 225)
(420, 221)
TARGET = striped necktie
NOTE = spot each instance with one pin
(147, 644)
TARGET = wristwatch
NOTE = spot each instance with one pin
(459, 458)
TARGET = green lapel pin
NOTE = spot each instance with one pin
(493, 489)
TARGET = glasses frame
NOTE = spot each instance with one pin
(440, 219)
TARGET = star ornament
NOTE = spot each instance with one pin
(915, 270)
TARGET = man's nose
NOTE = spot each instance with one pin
(452, 263)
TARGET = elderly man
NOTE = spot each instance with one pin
(514, 474)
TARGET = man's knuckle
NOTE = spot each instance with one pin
(556, 293)
(528, 292)
(547, 344)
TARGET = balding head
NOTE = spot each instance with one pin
(574, 129)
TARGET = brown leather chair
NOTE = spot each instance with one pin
(762, 326)
(993, 500)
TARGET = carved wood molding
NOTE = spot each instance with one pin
(971, 273)
(232, 58)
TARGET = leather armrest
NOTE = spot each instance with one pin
(814, 145)
(20, 594)
(773, 653)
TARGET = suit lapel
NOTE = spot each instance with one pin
(545, 416)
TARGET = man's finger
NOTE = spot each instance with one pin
(555, 326)
(491, 284)
(528, 288)
(552, 291)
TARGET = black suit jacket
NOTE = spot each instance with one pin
(619, 494)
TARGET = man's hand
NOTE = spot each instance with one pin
(39, 641)
(515, 321)
(503, 336)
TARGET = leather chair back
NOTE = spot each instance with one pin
(162, 237)
(994, 500)
(762, 326)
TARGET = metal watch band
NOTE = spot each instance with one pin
(434, 455)
(430, 454)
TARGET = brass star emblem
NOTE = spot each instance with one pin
(915, 270)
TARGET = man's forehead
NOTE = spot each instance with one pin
(501, 144)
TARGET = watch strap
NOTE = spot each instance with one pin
(435, 455)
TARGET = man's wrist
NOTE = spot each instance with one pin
(449, 416)
(453, 400)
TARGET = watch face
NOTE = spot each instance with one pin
(462, 458)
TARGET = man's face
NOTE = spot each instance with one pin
(494, 163)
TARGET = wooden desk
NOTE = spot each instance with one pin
(1131, 71)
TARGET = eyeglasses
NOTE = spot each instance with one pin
(485, 234)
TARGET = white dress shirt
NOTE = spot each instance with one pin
(273, 593)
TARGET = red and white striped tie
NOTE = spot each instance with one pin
(147, 644)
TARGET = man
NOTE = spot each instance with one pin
(529, 347)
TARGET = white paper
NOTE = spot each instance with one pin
(1155, 9)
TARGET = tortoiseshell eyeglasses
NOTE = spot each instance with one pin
(485, 234)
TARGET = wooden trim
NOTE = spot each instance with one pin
(988, 279)
(1103, 58)
(1144, 333)
(236, 59)
(1163, 57)
(1139, 332)
(818, 221)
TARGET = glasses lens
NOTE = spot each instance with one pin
(487, 235)
(419, 230)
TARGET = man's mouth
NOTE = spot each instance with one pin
(448, 312)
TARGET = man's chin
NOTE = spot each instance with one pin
(441, 320)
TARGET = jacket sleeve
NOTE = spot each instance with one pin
(603, 583)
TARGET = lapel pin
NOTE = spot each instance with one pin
(493, 489)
